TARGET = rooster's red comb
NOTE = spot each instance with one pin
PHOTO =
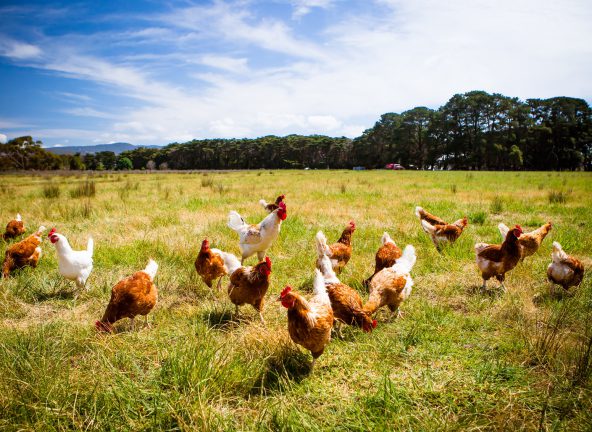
(285, 291)
(52, 232)
(282, 205)
(268, 262)
(374, 323)
(352, 224)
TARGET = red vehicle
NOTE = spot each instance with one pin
(394, 166)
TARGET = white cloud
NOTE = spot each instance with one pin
(18, 50)
(303, 7)
(230, 64)
(324, 123)
(3, 139)
(88, 112)
(363, 65)
(237, 25)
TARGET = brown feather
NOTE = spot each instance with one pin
(21, 254)
(248, 286)
(209, 266)
(430, 218)
(313, 336)
(347, 305)
(134, 295)
(14, 229)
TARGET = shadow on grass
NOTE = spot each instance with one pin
(289, 365)
(306, 285)
(61, 293)
(546, 297)
(477, 290)
(223, 319)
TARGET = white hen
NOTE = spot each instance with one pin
(257, 238)
(73, 265)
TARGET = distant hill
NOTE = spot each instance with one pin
(114, 147)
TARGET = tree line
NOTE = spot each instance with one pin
(474, 130)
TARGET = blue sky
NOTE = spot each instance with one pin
(155, 72)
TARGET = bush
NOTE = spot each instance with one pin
(86, 189)
(51, 191)
(497, 205)
(124, 163)
(478, 218)
(558, 197)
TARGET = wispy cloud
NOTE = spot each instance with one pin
(230, 64)
(89, 112)
(229, 69)
(304, 7)
(16, 50)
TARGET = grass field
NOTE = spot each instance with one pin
(457, 360)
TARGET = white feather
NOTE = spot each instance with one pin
(18, 217)
(503, 229)
(151, 269)
(327, 270)
(74, 265)
(418, 209)
(427, 227)
(231, 262)
(322, 247)
(386, 238)
(320, 289)
(407, 260)
(90, 246)
(235, 221)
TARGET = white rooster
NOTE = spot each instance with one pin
(73, 265)
(257, 238)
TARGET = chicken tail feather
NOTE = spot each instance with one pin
(427, 227)
(386, 238)
(320, 289)
(151, 269)
(407, 261)
(90, 246)
(322, 247)
(235, 221)
(503, 229)
(230, 261)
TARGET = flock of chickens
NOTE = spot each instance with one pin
(333, 303)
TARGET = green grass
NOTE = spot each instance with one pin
(457, 360)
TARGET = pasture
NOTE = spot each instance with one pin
(458, 359)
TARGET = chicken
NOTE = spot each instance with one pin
(428, 217)
(73, 265)
(564, 270)
(392, 285)
(24, 253)
(14, 228)
(248, 285)
(339, 252)
(257, 238)
(345, 301)
(134, 295)
(272, 206)
(441, 234)
(309, 322)
(209, 264)
(497, 260)
(386, 255)
(529, 242)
